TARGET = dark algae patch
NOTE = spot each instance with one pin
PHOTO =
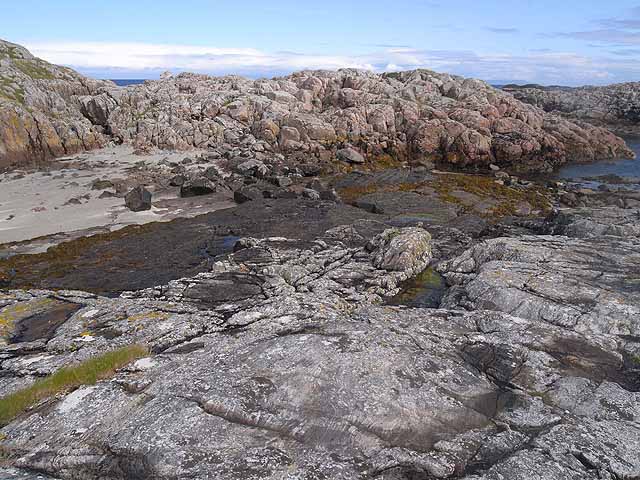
(134, 257)
(43, 325)
(143, 256)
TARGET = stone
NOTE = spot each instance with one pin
(108, 194)
(253, 168)
(350, 155)
(310, 194)
(280, 181)
(484, 388)
(435, 123)
(330, 195)
(177, 180)
(138, 199)
(399, 250)
(197, 187)
(613, 106)
(247, 194)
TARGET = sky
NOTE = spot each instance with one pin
(566, 42)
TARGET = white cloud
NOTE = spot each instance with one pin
(141, 56)
(137, 58)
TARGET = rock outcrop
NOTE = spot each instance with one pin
(616, 107)
(361, 117)
(41, 115)
(356, 116)
(280, 361)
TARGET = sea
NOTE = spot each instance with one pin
(605, 171)
(129, 81)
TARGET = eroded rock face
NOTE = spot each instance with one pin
(359, 116)
(280, 361)
(326, 114)
(614, 106)
(41, 115)
(589, 285)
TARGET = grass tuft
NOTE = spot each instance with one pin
(67, 379)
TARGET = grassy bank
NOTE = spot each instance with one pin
(68, 378)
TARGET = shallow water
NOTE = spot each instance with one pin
(425, 290)
(589, 173)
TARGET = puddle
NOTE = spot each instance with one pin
(425, 290)
(43, 325)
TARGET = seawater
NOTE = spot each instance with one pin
(590, 171)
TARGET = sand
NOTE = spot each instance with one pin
(36, 204)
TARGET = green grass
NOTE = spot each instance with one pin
(33, 69)
(11, 91)
(67, 379)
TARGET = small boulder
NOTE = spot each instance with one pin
(401, 250)
(212, 174)
(494, 167)
(369, 205)
(252, 168)
(284, 193)
(247, 194)
(280, 181)
(310, 169)
(311, 194)
(569, 199)
(197, 187)
(138, 199)
(177, 180)
(108, 194)
(330, 195)
(350, 155)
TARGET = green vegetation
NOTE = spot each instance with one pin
(506, 200)
(33, 69)
(11, 91)
(67, 379)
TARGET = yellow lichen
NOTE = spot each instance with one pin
(148, 316)
(12, 314)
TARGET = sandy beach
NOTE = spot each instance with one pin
(65, 197)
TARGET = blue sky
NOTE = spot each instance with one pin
(552, 42)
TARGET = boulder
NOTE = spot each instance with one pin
(350, 155)
(407, 249)
(138, 199)
(197, 187)
(253, 168)
(247, 194)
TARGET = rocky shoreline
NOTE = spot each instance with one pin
(318, 309)
(359, 117)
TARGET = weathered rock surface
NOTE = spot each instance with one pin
(327, 114)
(41, 111)
(589, 285)
(616, 107)
(280, 361)
(359, 116)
